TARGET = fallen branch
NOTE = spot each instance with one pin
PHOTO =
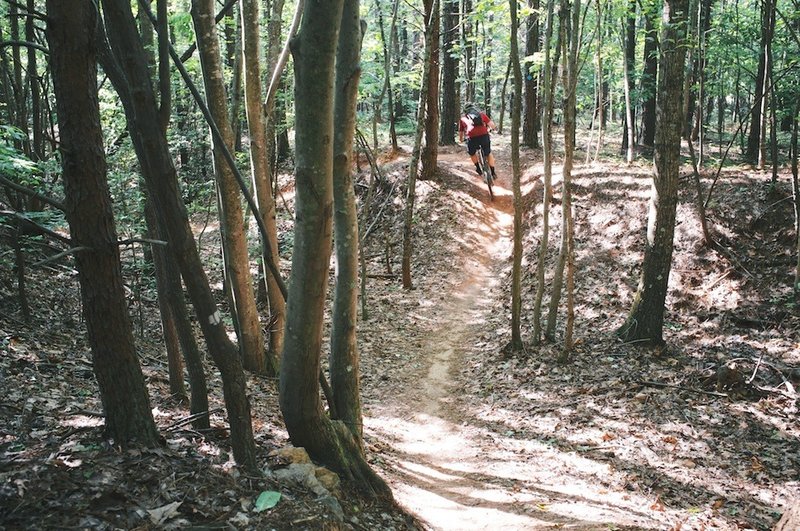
(191, 418)
(682, 388)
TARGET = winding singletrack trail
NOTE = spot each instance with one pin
(446, 466)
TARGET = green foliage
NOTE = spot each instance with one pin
(13, 162)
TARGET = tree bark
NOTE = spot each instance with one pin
(251, 343)
(547, 155)
(531, 122)
(629, 64)
(326, 440)
(449, 100)
(344, 360)
(649, 73)
(127, 70)
(430, 152)
(755, 136)
(516, 275)
(91, 220)
(408, 221)
(261, 142)
(646, 318)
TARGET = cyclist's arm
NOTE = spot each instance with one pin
(491, 126)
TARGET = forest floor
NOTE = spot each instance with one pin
(702, 433)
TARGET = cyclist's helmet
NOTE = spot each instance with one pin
(470, 107)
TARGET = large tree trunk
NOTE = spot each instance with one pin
(261, 172)
(449, 99)
(431, 150)
(91, 220)
(516, 275)
(344, 362)
(530, 122)
(646, 318)
(251, 342)
(127, 70)
(327, 441)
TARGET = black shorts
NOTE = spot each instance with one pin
(479, 141)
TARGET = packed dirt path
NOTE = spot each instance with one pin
(444, 464)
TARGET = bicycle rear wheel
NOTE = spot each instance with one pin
(487, 173)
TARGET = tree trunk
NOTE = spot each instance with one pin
(430, 152)
(531, 123)
(37, 145)
(408, 221)
(127, 70)
(547, 154)
(261, 172)
(648, 83)
(796, 192)
(326, 440)
(569, 36)
(388, 68)
(516, 275)
(469, 51)
(251, 343)
(449, 100)
(629, 64)
(646, 318)
(91, 220)
(755, 136)
(344, 360)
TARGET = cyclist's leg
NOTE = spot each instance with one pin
(472, 149)
(486, 143)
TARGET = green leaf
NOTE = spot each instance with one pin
(267, 500)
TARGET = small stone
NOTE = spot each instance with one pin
(333, 504)
(291, 454)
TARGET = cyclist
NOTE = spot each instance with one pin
(476, 124)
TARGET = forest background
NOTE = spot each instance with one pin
(128, 133)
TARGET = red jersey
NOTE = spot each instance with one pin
(465, 124)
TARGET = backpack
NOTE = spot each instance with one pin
(475, 116)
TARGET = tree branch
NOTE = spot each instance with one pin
(33, 193)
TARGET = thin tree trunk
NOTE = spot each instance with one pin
(261, 171)
(328, 441)
(547, 154)
(796, 192)
(234, 236)
(387, 64)
(88, 210)
(628, 65)
(408, 222)
(569, 36)
(127, 70)
(516, 274)
(755, 137)
(344, 359)
(627, 84)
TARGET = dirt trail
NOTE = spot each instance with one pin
(447, 467)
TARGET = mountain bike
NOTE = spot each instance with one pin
(487, 172)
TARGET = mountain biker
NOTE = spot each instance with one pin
(475, 124)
